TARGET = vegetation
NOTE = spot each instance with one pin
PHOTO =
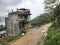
(53, 7)
(11, 39)
(42, 19)
(2, 28)
(53, 37)
(52, 14)
(57, 15)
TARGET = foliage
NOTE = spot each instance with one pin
(53, 7)
(57, 15)
(11, 39)
(42, 19)
(50, 4)
(2, 27)
(53, 37)
(57, 10)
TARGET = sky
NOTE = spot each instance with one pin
(36, 6)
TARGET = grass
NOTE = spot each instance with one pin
(53, 37)
(11, 39)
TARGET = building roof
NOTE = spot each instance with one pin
(21, 11)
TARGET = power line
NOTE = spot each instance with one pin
(20, 3)
(24, 1)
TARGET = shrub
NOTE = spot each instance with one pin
(53, 37)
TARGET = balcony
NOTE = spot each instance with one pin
(24, 12)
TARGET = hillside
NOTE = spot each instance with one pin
(42, 19)
(53, 37)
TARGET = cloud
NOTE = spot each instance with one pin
(5, 4)
(36, 6)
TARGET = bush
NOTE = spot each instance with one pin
(11, 39)
(53, 37)
(42, 19)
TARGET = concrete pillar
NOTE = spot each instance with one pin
(0, 35)
(29, 20)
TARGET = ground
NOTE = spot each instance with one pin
(34, 36)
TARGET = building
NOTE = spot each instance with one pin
(17, 22)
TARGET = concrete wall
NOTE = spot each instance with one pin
(13, 20)
(12, 25)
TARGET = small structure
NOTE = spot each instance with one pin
(17, 22)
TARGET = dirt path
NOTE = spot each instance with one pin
(34, 36)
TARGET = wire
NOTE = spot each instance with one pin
(20, 3)
(25, 3)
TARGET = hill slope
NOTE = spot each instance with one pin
(42, 19)
(53, 37)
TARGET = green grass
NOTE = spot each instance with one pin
(11, 39)
(53, 37)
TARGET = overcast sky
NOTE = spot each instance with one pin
(36, 6)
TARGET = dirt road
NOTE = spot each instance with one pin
(34, 36)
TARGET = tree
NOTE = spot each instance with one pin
(57, 15)
(2, 27)
(50, 4)
(42, 19)
(50, 7)
(57, 10)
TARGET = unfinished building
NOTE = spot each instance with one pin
(18, 21)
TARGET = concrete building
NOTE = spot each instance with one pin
(17, 22)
